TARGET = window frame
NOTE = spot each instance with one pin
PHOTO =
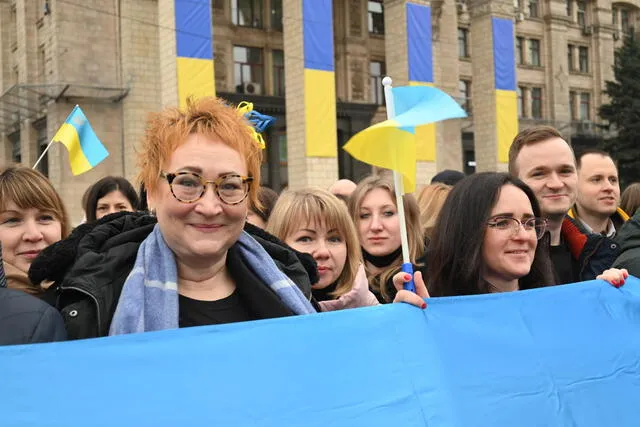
(538, 99)
(585, 50)
(371, 20)
(463, 43)
(582, 97)
(251, 65)
(376, 91)
(235, 14)
(538, 61)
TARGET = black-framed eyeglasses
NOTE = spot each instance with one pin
(531, 225)
(189, 187)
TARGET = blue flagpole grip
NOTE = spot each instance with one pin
(407, 267)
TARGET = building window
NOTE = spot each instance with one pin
(376, 74)
(247, 13)
(276, 15)
(520, 50)
(375, 11)
(463, 43)
(534, 52)
(614, 16)
(248, 69)
(569, 5)
(278, 72)
(572, 105)
(585, 106)
(582, 12)
(624, 21)
(464, 87)
(520, 91)
(16, 151)
(570, 61)
(533, 8)
(583, 59)
(536, 103)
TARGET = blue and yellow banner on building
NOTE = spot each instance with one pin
(194, 49)
(505, 85)
(319, 79)
(420, 64)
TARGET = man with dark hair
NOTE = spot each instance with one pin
(448, 177)
(545, 162)
(596, 207)
(24, 319)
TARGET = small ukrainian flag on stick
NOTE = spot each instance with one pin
(85, 149)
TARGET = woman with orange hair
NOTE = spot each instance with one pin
(193, 262)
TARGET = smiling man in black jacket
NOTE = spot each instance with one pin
(24, 319)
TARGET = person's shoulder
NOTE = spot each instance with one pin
(26, 319)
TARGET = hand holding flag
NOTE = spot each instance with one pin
(392, 143)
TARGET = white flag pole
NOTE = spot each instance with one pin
(42, 155)
(407, 267)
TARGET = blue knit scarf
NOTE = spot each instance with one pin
(149, 299)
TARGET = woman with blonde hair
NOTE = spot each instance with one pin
(32, 217)
(373, 209)
(316, 222)
(430, 199)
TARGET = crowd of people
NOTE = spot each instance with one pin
(202, 243)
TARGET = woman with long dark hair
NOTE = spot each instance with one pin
(490, 237)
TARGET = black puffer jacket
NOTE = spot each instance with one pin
(92, 264)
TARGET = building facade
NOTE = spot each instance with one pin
(117, 60)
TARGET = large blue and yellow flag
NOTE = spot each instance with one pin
(85, 148)
(558, 356)
(392, 144)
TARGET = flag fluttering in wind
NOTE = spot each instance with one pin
(392, 144)
(85, 149)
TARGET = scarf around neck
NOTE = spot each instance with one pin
(384, 260)
(149, 299)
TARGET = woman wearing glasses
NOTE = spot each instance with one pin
(196, 266)
(490, 238)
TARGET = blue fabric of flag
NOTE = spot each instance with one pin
(557, 356)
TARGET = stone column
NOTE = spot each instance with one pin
(139, 72)
(310, 94)
(167, 53)
(602, 54)
(26, 38)
(491, 136)
(558, 76)
(446, 66)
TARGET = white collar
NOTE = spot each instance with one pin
(611, 229)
